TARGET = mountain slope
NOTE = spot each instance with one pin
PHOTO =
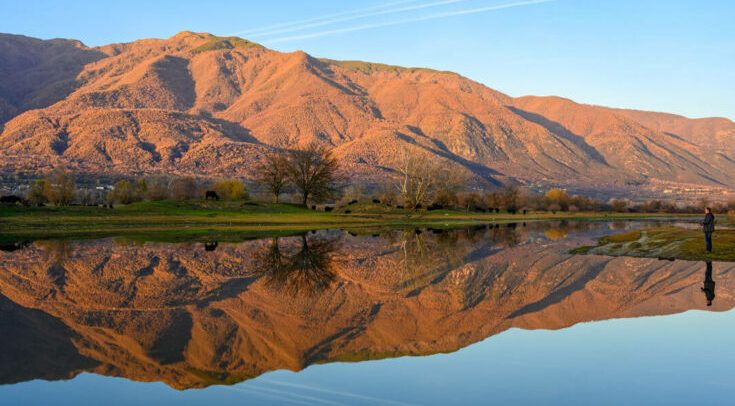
(210, 106)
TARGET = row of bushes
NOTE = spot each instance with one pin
(59, 188)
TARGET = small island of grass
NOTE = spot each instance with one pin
(668, 242)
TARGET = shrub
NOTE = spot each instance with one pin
(230, 189)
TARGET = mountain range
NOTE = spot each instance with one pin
(208, 106)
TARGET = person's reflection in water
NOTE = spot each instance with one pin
(709, 284)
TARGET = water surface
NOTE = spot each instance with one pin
(497, 313)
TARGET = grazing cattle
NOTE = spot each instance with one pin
(313, 207)
(376, 201)
(399, 207)
(14, 246)
(352, 202)
(10, 200)
(497, 210)
(525, 212)
(210, 246)
(328, 208)
(348, 211)
(211, 194)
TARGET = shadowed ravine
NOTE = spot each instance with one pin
(192, 316)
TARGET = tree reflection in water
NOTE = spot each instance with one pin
(305, 268)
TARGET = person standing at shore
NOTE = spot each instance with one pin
(708, 225)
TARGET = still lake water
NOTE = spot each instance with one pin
(484, 315)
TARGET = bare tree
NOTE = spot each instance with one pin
(36, 194)
(273, 174)
(511, 197)
(314, 173)
(59, 188)
(417, 181)
(123, 192)
(183, 189)
(157, 188)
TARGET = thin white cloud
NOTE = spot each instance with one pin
(338, 393)
(360, 16)
(404, 21)
(261, 30)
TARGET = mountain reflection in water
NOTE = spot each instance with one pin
(197, 314)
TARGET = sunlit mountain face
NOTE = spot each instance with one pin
(197, 314)
(198, 104)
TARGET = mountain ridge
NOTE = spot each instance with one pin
(209, 106)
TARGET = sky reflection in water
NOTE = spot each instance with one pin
(507, 313)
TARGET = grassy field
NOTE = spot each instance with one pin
(667, 242)
(235, 220)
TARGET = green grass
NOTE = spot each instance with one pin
(665, 243)
(167, 220)
(370, 67)
(216, 43)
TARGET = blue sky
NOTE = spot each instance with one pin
(676, 56)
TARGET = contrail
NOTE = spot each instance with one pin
(405, 21)
(331, 21)
(258, 31)
(338, 393)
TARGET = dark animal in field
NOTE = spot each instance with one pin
(348, 211)
(10, 200)
(435, 206)
(352, 202)
(497, 210)
(512, 211)
(399, 207)
(210, 246)
(328, 208)
(376, 201)
(525, 212)
(418, 206)
(313, 207)
(352, 233)
(14, 246)
(211, 194)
